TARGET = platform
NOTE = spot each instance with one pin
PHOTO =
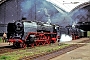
(82, 53)
(5, 44)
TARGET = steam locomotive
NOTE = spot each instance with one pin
(71, 31)
(30, 33)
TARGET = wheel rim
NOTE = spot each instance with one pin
(32, 45)
(37, 44)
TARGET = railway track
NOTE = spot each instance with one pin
(47, 56)
(5, 49)
(53, 54)
(10, 48)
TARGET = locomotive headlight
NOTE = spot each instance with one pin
(19, 24)
(18, 28)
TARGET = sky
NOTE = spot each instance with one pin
(67, 5)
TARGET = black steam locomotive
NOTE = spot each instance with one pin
(29, 33)
(72, 32)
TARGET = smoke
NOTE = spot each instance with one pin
(65, 38)
(62, 19)
(80, 15)
(43, 11)
(72, 18)
(25, 7)
(48, 16)
(46, 11)
(35, 9)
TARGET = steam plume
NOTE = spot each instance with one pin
(25, 7)
(65, 38)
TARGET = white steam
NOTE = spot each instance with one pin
(65, 38)
(25, 7)
(46, 12)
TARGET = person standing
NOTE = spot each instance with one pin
(4, 37)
